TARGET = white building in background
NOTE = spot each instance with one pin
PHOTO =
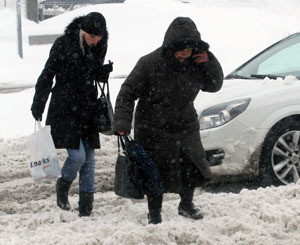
(10, 3)
(7, 4)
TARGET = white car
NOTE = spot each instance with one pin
(251, 127)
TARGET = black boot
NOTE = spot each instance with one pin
(62, 190)
(187, 208)
(154, 216)
(86, 200)
(154, 206)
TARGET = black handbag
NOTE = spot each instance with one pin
(128, 178)
(104, 115)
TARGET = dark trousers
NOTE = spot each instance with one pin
(155, 202)
(191, 178)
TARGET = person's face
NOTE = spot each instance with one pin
(183, 54)
(91, 40)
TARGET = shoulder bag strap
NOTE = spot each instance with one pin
(98, 85)
(102, 89)
(121, 143)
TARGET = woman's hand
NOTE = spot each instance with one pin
(200, 57)
(123, 133)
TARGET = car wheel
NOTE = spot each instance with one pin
(280, 159)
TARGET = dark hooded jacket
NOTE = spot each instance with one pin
(75, 67)
(166, 123)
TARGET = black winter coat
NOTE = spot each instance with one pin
(74, 93)
(166, 123)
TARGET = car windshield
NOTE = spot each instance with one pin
(280, 60)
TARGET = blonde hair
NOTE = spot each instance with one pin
(81, 37)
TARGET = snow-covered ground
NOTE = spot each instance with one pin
(236, 30)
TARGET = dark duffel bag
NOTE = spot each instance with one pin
(152, 181)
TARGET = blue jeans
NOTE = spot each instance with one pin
(82, 161)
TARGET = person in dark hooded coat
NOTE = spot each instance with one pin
(166, 82)
(76, 61)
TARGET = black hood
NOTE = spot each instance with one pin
(182, 33)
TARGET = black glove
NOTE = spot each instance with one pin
(104, 71)
(37, 114)
(107, 68)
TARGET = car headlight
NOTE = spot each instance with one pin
(223, 113)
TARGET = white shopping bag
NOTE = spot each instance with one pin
(43, 163)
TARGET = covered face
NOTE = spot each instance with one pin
(182, 35)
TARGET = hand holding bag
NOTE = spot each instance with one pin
(128, 178)
(104, 116)
(43, 163)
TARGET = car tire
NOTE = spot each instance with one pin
(280, 158)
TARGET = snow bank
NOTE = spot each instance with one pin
(29, 215)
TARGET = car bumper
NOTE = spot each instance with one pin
(232, 150)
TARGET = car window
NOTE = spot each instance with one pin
(281, 59)
(284, 62)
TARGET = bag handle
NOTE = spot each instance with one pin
(107, 94)
(127, 138)
(120, 143)
(123, 140)
(102, 88)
